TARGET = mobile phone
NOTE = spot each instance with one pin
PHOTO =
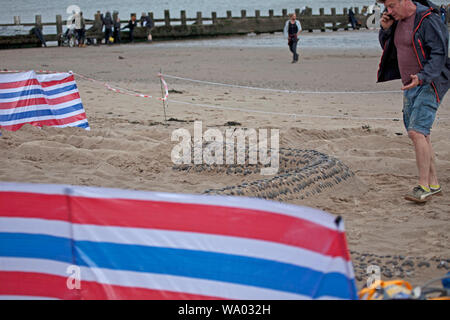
(389, 15)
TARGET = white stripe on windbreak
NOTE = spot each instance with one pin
(247, 247)
(52, 76)
(313, 215)
(40, 95)
(149, 281)
(74, 124)
(41, 118)
(40, 107)
(15, 77)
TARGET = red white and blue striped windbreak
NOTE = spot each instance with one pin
(40, 100)
(148, 245)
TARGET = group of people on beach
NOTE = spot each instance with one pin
(113, 27)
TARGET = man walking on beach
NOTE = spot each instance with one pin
(415, 50)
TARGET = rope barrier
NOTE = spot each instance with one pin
(295, 115)
(166, 95)
(278, 90)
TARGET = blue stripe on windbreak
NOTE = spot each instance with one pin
(83, 125)
(40, 113)
(215, 266)
(25, 245)
(60, 90)
(37, 91)
(179, 262)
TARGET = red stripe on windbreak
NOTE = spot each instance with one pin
(46, 84)
(33, 205)
(19, 84)
(206, 219)
(39, 101)
(49, 122)
(52, 286)
(35, 284)
(34, 81)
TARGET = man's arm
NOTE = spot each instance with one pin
(435, 41)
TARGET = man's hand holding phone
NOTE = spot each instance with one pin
(386, 21)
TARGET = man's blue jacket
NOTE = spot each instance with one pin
(430, 43)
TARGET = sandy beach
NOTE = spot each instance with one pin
(129, 144)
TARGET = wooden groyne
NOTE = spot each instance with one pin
(199, 26)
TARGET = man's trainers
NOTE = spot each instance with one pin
(436, 191)
(418, 194)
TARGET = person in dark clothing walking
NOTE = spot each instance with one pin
(292, 29)
(352, 19)
(131, 25)
(37, 31)
(415, 50)
(108, 23)
(117, 30)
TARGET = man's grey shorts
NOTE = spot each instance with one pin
(419, 108)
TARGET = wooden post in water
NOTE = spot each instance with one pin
(271, 13)
(199, 18)
(346, 15)
(243, 14)
(38, 23)
(284, 12)
(183, 17)
(308, 12)
(322, 11)
(59, 28)
(257, 14)
(322, 28)
(229, 15)
(97, 28)
(167, 18)
(333, 14)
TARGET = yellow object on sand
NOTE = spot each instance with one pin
(387, 290)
